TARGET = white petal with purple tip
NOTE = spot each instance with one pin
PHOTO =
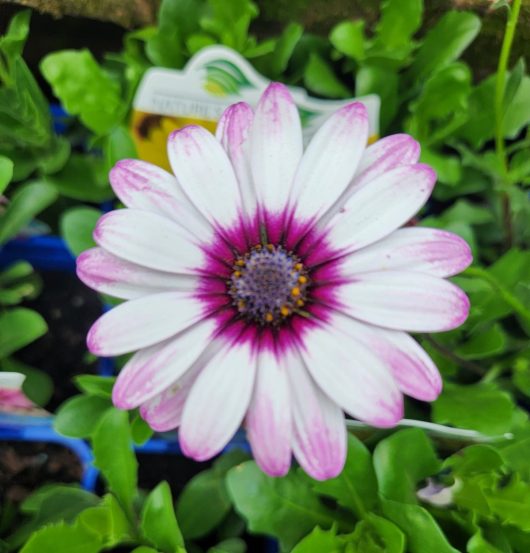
(268, 421)
(164, 411)
(142, 185)
(217, 402)
(414, 302)
(414, 371)
(425, 250)
(152, 369)
(111, 275)
(143, 322)
(375, 211)
(330, 161)
(148, 240)
(275, 146)
(205, 173)
(319, 441)
(351, 375)
(233, 132)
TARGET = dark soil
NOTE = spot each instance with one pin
(69, 308)
(26, 466)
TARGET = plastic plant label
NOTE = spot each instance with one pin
(213, 79)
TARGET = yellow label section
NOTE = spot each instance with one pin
(151, 131)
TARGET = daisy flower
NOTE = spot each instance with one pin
(273, 287)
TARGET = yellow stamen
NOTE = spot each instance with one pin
(284, 310)
(241, 305)
(270, 247)
(295, 291)
(240, 263)
(300, 303)
(302, 279)
(237, 274)
(299, 266)
(269, 317)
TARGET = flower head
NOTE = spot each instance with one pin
(273, 286)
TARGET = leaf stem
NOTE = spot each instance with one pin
(500, 85)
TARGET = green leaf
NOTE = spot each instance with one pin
(319, 541)
(118, 145)
(484, 344)
(477, 544)
(373, 79)
(84, 88)
(399, 20)
(356, 487)
(480, 407)
(18, 328)
(77, 225)
(79, 416)
(93, 187)
(514, 82)
(204, 503)
(144, 549)
(27, 202)
(113, 455)
(348, 38)
(6, 172)
(232, 545)
(158, 521)
(320, 78)
(444, 43)
(140, 430)
(284, 48)
(108, 521)
(285, 508)
(13, 41)
(51, 504)
(62, 538)
(95, 385)
(375, 534)
(401, 461)
(421, 530)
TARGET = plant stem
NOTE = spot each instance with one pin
(461, 434)
(500, 85)
(500, 88)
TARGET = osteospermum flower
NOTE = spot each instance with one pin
(273, 287)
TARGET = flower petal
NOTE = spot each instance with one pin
(148, 240)
(413, 370)
(164, 411)
(142, 322)
(233, 130)
(425, 250)
(111, 275)
(350, 374)
(382, 156)
(153, 369)
(376, 210)
(268, 419)
(142, 185)
(205, 173)
(402, 300)
(330, 160)
(11, 380)
(275, 147)
(217, 402)
(319, 430)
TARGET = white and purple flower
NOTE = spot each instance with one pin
(272, 285)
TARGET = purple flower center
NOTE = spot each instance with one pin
(268, 284)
